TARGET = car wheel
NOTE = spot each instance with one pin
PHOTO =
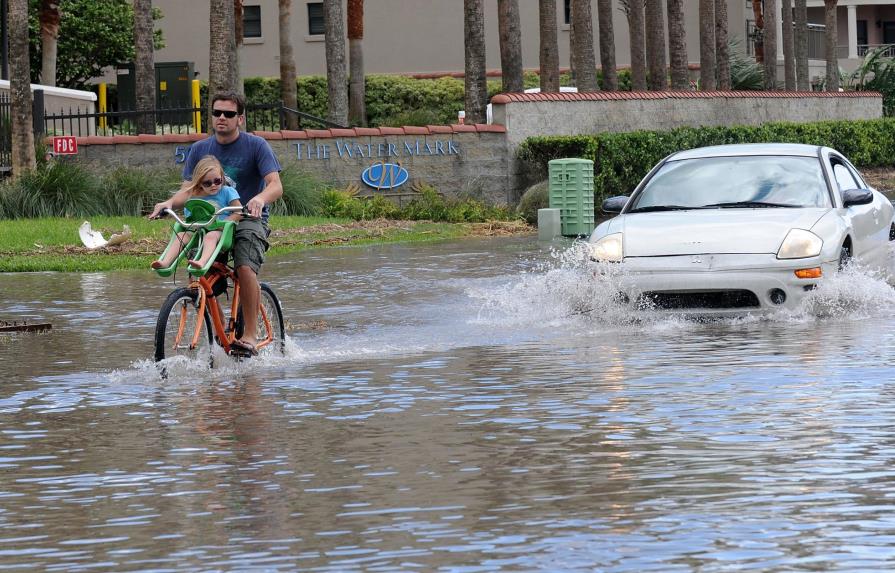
(844, 256)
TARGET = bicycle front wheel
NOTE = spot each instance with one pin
(177, 322)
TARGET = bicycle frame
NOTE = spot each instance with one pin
(223, 327)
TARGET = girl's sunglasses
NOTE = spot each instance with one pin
(229, 114)
(209, 182)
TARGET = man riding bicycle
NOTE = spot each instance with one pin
(250, 162)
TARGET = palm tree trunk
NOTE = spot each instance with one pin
(634, 10)
(801, 42)
(770, 45)
(677, 46)
(20, 89)
(336, 70)
(222, 46)
(830, 48)
(549, 50)
(288, 89)
(583, 46)
(655, 45)
(509, 30)
(607, 45)
(144, 66)
(49, 36)
(238, 37)
(357, 109)
(722, 49)
(789, 64)
(707, 45)
(475, 84)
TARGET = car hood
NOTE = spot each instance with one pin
(731, 231)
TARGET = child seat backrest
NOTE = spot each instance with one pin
(200, 210)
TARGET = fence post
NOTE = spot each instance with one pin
(103, 107)
(197, 115)
(38, 112)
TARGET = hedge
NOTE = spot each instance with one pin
(621, 160)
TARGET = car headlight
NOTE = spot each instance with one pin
(608, 249)
(800, 244)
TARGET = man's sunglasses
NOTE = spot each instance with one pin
(209, 182)
(229, 114)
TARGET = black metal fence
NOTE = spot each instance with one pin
(259, 117)
(5, 135)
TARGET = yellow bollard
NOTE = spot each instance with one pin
(197, 115)
(103, 109)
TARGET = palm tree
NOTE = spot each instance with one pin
(20, 89)
(288, 89)
(677, 46)
(475, 84)
(584, 61)
(357, 109)
(634, 11)
(144, 66)
(655, 45)
(222, 47)
(238, 37)
(336, 70)
(607, 45)
(509, 30)
(722, 46)
(789, 68)
(830, 51)
(769, 38)
(49, 36)
(801, 42)
(549, 51)
(707, 44)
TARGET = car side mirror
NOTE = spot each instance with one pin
(856, 197)
(614, 204)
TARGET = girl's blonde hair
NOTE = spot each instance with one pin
(205, 165)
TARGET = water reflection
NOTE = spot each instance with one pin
(454, 411)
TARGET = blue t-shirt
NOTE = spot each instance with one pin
(246, 161)
(222, 198)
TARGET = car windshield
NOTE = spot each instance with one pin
(744, 181)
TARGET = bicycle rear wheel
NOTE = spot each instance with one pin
(176, 325)
(270, 309)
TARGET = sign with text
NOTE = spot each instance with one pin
(65, 145)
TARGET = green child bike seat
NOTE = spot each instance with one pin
(200, 211)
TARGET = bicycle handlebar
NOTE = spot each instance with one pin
(198, 225)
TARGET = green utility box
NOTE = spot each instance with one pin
(571, 183)
(173, 89)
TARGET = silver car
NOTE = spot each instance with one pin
(737, 228)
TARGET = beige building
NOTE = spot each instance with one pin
(400, 36)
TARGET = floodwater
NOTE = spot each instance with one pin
(465, 406)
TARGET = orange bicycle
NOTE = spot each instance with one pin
(192, 320)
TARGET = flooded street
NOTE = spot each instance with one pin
(465, 406)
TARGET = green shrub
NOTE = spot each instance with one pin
(302, 194)
(128, 191)
(621, 160)
(57, 189)
(535, 197)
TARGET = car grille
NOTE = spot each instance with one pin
(706, 299)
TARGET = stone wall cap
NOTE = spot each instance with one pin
(463, 128)
(318, 133)
(415, 130)
(293, 134)
(367, 131)
(269, 134)
(343, 132)
(506, 98)
(391, 130)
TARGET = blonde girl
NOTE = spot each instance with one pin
(208, 183)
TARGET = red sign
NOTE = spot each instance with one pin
(65, 145)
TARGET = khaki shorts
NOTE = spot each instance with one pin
(250, 244)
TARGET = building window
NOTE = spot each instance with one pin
(251, 21)
(316, 26)
(567, 11)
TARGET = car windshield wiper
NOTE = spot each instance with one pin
(661, 208)
(749, 204)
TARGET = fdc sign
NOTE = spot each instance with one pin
(65, 145)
